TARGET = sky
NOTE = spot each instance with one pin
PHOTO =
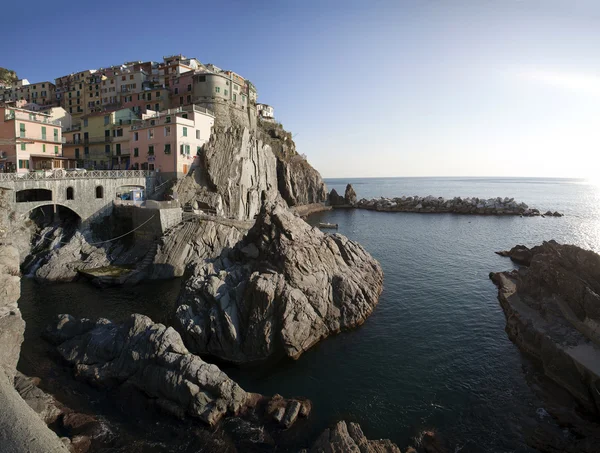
(368, 88)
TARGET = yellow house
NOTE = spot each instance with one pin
(101, 140)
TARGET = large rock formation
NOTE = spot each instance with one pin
(21, 429)
(552, 309)
(153, 358)
(245, 163)
(193, 242)
(283, 288)
(349, 438)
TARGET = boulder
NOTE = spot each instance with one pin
(519, 254)
(153, 358)
(300, 286)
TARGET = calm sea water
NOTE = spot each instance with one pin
(434, 354)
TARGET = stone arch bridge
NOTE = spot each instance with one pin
(87, 194)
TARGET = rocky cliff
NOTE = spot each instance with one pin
(246, 163)
(552, 308)
(279, 291)
(21, 429)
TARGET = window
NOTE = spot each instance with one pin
(150, 133)
(135, 136)
(227, 82)
(217, 89)
(185, 131)
(187, 149)
(76, 153)
(118, 149)
(99, 192)
(152, 122)
(107, 149)
(44, 148)
(167, 131)
(149, 96)
(184, 115)
(151, 150)
(234, 97)
(119, 133)
(123, 78)
(86, 151)
(189, 87)
(198, 134)
(131, 77)
(23, 163)
(147, 106)
(55, 135)
(23, 147)
(189, 99)
(181, 100)
(43, 133)
(70, 108)
(156, 107)
(181, 149)
(202, 78)
(168, 119)
(70, 193)
(55, 149)
(226, 92)
(106, 119)
(85, 122)
(136, 152)
(167, 148)
(176, 90)
(22, 130)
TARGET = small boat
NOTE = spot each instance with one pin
(328, 225)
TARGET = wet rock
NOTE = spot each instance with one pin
(303, 286)
(349, 438)
(519, 254)
(43, 404)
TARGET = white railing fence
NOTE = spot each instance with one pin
(76, 174)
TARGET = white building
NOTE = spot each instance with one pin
(265, 111)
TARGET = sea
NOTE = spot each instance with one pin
(433, 356)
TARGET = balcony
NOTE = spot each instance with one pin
(88, 141)
(29, 116)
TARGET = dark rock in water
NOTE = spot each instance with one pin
(552, 310)
(350, 195)
(519, 254)
(152, 358)
(297, 287)
(336, 199)
(349, 438)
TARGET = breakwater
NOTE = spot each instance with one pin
(438, 205)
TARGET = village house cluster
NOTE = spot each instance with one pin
(138, 115)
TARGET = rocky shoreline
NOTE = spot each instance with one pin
(437, 205)
(552, 308)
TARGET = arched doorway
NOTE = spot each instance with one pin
(70, 193)
(99, 192)
(27, 195)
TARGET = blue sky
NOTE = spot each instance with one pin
(369, 88)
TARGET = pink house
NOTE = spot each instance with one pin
(169, 141)
(182, 89)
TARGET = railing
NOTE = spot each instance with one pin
(41, 138)
(89, 141)
(77, 174)
(37, 117)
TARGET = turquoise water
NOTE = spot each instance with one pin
(434, 354)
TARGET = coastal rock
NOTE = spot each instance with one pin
(153, 358)
(552, 310)
(336, 199)
(349, 438)
(519, 254)
(21, 429)
(350, 195)
(296, 287)
(234, 173)
(193, 242)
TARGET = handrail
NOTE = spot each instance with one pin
(75, 174)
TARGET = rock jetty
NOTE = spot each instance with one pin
(437, 205)
(552, 308)
(153, 358)
(279, 291)
(458, 205)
